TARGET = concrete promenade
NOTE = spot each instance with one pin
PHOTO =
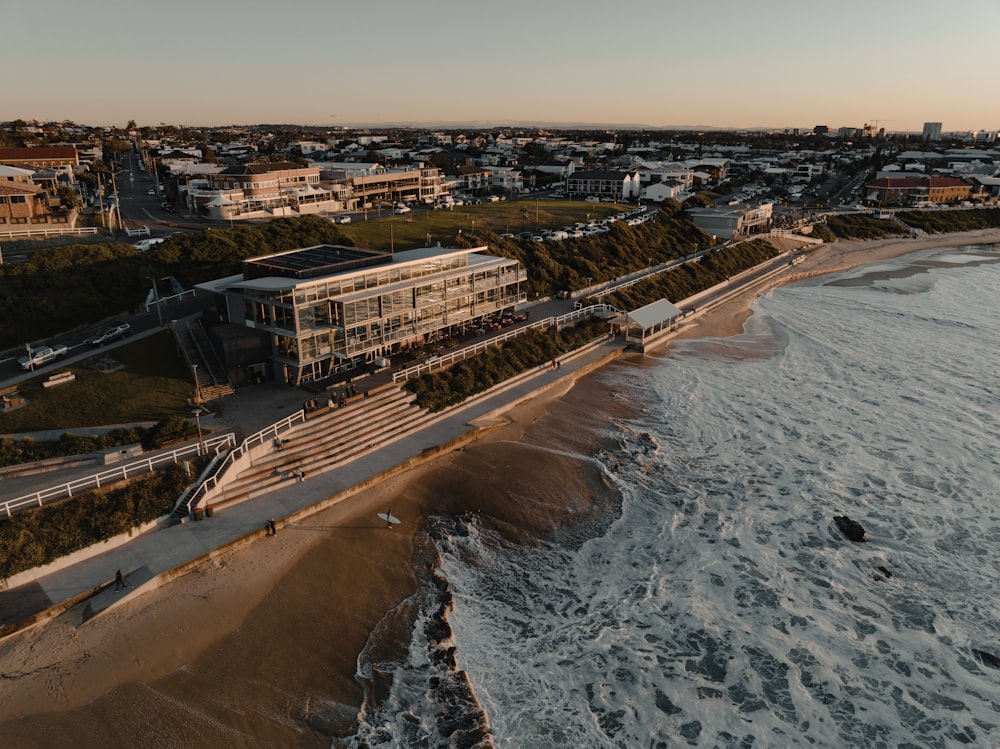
(168, 551)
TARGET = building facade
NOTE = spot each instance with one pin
(328, 308)
(734, 222)
(932, 131)
(604, 184)
(913, 190)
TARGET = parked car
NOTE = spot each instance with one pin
(401, 209)
(43, 355)
(343, 219)
(116, 331)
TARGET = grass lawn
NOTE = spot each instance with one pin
(423, 228)
(153, 385)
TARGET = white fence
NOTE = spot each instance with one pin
(265, 436)
(49, 232)
(444, 360)
(96, 481)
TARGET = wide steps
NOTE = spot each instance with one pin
(330, 439)
(317, 462)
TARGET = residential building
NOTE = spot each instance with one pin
(22, 205)
(329, 308)
(603, 184)
(913, 190)
(61, 158)
(732, 222)
(260, 189)
(660, 191)
(932, 131)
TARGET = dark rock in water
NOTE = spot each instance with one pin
(987, 659)
(850, 528)
(884, 570)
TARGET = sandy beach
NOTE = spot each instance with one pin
(260, 648)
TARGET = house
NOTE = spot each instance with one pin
(660, 191)
(474, 180)
(603, 184)
(732, 222)
(326, 308)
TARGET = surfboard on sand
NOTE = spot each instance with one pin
(389, 518)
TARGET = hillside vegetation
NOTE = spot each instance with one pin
(60, 288)
(941, 222)
(861, 226)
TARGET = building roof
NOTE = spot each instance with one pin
(18, 188)
(13, 171)
(264, 167)
(653, 314)
(901, 183)
(606, 175)
(313, 262)
(41, 153)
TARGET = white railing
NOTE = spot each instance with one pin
(444, 360)
(83, 230)
(265, 435)
(173, 298)
(96, 481)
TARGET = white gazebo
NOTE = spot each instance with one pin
(646, 324)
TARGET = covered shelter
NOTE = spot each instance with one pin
(646, 324)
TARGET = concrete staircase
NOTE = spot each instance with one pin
(329, 438)
(200, 358)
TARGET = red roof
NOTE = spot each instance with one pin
(41, 153)
(18, 188)
(901, 183)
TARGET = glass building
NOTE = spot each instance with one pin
(329, 308)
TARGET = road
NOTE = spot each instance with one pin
(75, 341)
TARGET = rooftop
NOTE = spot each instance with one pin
(313, 262)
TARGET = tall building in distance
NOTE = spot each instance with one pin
(932, 131)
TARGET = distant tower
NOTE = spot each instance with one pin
(932, 131)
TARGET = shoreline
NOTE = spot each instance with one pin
(293, 606)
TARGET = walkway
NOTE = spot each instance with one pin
(177, 547)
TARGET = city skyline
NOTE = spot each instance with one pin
(771, 64)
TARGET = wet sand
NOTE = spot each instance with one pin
(260, 649)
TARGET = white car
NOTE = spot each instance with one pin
(43, 355)
(344, 220)
(401, 209)
(116, 331)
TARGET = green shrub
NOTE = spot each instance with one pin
(479, 373)
(27, 450)
(36, 537)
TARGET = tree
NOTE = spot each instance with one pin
(68, 197)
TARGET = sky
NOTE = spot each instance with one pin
(649, 63)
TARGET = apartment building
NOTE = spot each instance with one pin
(603, 184)
(913, 190)
(327, 308)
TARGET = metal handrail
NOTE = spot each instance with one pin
(96, 481)
(267, 434)
(455, 356)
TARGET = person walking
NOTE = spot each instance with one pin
(120, 580)
(274, 528)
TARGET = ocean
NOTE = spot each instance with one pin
(715, 603)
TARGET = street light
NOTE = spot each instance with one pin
(197, 386)
(156, 300)
(197, 418)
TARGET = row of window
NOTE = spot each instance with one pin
(384, 331)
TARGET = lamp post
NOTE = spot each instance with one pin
(156, 300)
(197, 418)
(197, 387)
